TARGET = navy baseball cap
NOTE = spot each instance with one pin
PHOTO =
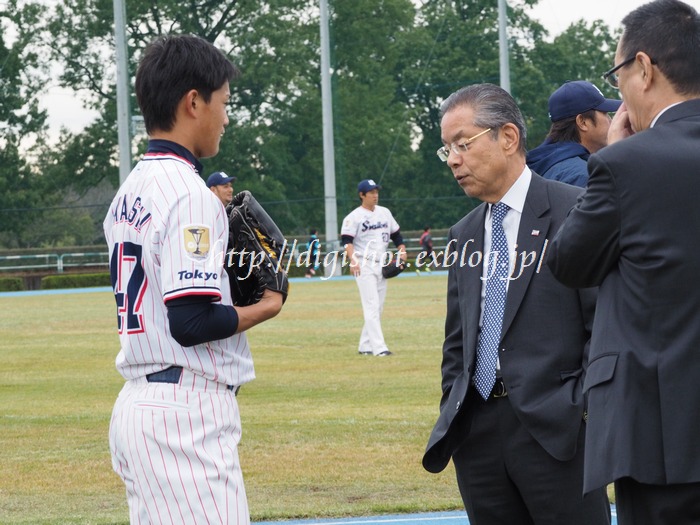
(218, 178)
(367, 185)
(579, 96)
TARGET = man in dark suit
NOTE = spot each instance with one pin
(635, 234)
(512, 411)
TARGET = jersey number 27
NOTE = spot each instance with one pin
(129, 284)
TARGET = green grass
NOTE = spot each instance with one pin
(326, 432)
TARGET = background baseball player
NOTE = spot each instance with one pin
(221, 185)
(175, 426)
(365, 234)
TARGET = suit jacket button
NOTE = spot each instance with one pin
(459, 404)
(585, 415)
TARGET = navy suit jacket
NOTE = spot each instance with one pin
(544, 338)
(635, 233)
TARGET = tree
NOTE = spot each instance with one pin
(582, 52)
(393, 64)
(22, 122)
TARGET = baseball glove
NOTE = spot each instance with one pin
(393, 268)
(255, 250)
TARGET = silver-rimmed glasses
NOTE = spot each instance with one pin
(458, 148)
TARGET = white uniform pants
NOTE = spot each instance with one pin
(372, 286)
(176, 449)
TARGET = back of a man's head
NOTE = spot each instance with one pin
(170, 67)
(669, 32)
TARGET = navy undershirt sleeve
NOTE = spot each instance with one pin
(346, 239)
(195, 320)
(397, 238)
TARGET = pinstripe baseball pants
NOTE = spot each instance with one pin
(176, 449)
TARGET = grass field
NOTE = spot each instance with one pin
(326, 432)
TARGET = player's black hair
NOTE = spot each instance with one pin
(669, 32)
(566, 130)
(173, 65)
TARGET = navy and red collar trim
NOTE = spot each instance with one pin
(173, 148)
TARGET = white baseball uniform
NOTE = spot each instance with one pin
(371, 231)
(174, 445)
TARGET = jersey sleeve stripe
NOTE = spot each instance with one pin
(185, 292)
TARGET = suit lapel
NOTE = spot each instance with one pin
(474, 235)
(532, 233)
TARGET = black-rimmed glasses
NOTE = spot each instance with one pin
(611, 75)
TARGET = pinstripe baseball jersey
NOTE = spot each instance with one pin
(167, 235)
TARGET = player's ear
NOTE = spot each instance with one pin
(191, 100)
(581, 122)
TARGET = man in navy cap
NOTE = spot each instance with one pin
(221, 185)
(365, 233)
(580, 121)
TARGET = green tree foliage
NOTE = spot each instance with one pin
(393, 62)
(582, 52)
(21, 119)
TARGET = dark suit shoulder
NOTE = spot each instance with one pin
(551, 196)
(557, 188)
(477, 214)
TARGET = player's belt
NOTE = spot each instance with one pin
(172, 375)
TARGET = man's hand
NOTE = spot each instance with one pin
(402, 253)
(354, 262)
(621, 126)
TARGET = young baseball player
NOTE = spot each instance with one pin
(175, 426)
(366, 232)
(222, 186)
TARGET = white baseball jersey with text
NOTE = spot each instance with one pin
(167, 235)
(371, 230)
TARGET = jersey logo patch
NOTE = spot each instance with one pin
(196, 239)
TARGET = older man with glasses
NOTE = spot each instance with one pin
(634, 234)
(512, 413)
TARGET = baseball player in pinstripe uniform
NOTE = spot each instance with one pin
(365, 233)
(175, 426)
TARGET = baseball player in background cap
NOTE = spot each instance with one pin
(580, 121)
(366, 232)
(176, 425)
(222, 186)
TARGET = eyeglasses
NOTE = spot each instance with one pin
(611, 75)
(458, 148)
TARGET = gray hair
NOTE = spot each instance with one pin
(493, 108)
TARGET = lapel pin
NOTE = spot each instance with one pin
(535, 233)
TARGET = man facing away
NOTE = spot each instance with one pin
(580, 121)
(634, 234)
(176, 426)
(512, 413)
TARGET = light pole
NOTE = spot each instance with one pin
(123, 121)
(503, 44)
(328, 146)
